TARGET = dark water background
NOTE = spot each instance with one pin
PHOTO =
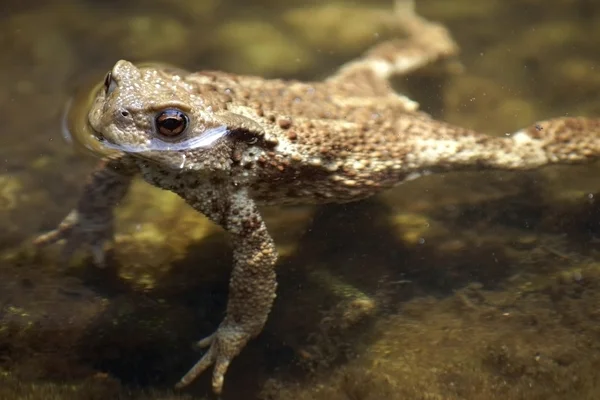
(463, 286)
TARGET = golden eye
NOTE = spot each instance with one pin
(171, 122)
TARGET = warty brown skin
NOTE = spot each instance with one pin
(286, 142)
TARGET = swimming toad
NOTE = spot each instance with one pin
(227, 143)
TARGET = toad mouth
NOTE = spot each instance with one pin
(97, 135)
(203, 141)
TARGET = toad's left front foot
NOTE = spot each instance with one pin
(223, 346)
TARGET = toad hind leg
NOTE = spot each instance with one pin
(423, 42)
(252, 285)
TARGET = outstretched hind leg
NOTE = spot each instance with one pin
(419, 43)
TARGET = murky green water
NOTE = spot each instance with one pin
(463, 286)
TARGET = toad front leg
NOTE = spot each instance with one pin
(90, 223)
(252, 285)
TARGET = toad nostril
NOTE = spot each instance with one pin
(125, 113)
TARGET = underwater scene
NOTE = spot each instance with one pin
(301, 199)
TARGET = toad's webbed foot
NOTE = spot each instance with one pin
(223, 346)
(91, 222)
(79, 231)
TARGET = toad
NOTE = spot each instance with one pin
(228, 143)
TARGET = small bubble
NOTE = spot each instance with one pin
(421, 240)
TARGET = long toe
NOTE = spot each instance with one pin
(207, 341)
(206, 361)
(219, 373)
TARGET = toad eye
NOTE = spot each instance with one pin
(171, 122)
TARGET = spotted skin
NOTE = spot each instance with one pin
(342, 139)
